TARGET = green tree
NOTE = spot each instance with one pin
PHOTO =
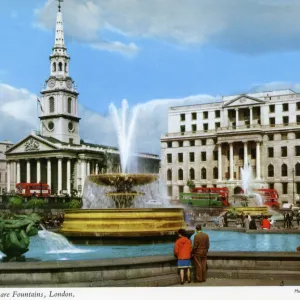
(75, 203)
(35, 203)
(191, 184)
(15, 203)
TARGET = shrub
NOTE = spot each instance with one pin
(75, 204)
(191, 185)
(35, 203)
(15, 203)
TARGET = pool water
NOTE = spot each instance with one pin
(49, 249)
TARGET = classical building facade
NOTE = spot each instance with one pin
(4, 146)
(56, 154)
(210, 143)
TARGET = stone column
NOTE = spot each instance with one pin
(231, 160)
(97, 169)
(14, 174)
(28, 171)
(236, 117)
(69, 176)
(18, 172)
(38, 171)
(83, 170)
(59, 175)
(245, 153)
(49, 173)
(220, 162)
(88, 168)
(8, 176)
(175, 192)
(257, 160)
(251, 116)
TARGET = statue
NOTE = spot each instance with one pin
(15, 234)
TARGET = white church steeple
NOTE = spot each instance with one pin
(59, 118)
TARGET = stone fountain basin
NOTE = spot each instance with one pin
(113, 178)
(126, 222)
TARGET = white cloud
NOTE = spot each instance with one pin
(247, 26)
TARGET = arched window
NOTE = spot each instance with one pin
(54, 67)
(180, 174)
(216, 173)
(66, 67)
(203, 173)
(192, 174)
(169, 174)
(51, 105)
(60, 66)
(297, 168)
(69, 105)
(284, 170)
(270, 171)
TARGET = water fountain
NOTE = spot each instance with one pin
(114, 204)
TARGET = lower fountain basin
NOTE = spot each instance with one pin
(119, 224)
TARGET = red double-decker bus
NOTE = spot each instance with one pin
(33, 189)
(223, 192)
(270, 197)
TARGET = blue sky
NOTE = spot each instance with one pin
(148, 50)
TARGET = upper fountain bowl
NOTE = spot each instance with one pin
(115, 179)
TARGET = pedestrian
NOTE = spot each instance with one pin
(298, 217)
(290, 219)
(246, 222)
(200, 249)
(265, 224)
(226, 220)
(285, 219)
(243, 218)
(182, 251)
(252, 224)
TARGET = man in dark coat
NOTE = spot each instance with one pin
(200, 249)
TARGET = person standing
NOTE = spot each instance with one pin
(182, 251)
(285, 219)
(200, 249)
(246, 222)
(265, 224)
(226, 220)
(298, 217)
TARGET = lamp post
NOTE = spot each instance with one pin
(293, 172)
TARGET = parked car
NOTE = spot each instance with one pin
(290, 206)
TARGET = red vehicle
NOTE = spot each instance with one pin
(223, 192)
(33, 189)
(270, 197)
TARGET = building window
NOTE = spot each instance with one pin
(253, 153)
(215, 155)
(271, 186)
(285, 107)
(217, 125)
(180, 144)
(272, 122)
(297, 187)
(298, 119)
(66, 67)
(297, 135)
(170, 194)
(192, 143)
(203, 156)
(182, 129)
(298, 105)
(180, 174)
(192, 174)
(297, 169)
(297, 150)
(194, 127)
(205, 115)
(203, 142)
(284, 151)
(215, 173)
(180, 188)
(285, 121)
(284, 188)
(271, 152)
(271, 108)
(194, 116)
(192, 156)
(284, 136)
(169, 158)
(217, 114)
(69, 105)
(54, 67)
(284, 170)
(180, 157)
(51, 105)
(270, 137)
(169, 144)
(169, 175)
(60, 66)
(205, 127)
(182, 117)
(241, 153)
(270, 171)
(203, 173)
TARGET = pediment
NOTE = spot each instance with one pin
(31, 144)
(243, 100)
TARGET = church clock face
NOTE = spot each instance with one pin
(69, 84)
(50, 126)
(51, 83)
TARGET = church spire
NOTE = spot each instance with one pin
(59, 30)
